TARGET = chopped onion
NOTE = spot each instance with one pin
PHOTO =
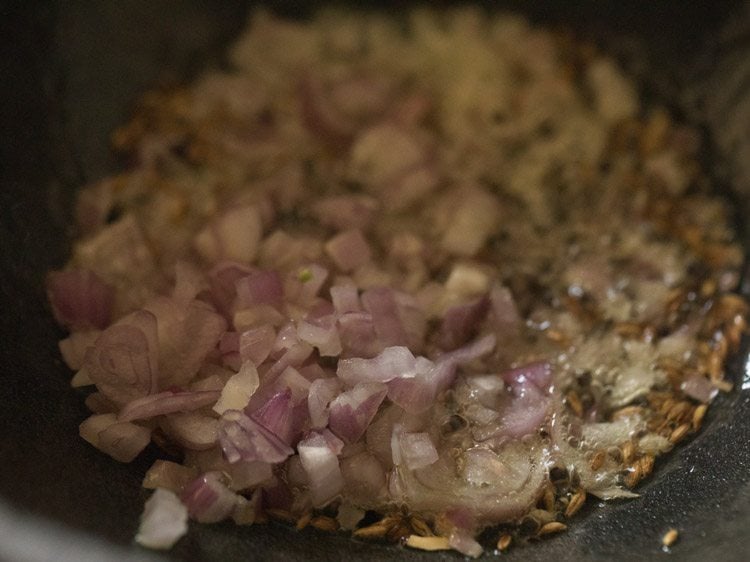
(80, 300)
(348, 250)
(352, 411)
(461, 322)
(322, 391)
(191, 430)
(207, 499)
(699, 388)
(235, 235)
(167, 403)
(415, 450)
(259, 287)
(122, 441)
(255, 344)
(169, 475)
(319, 461)
(164, 521)
(123, 361)
(392, 362)
(73, 348)
(322, 334)
(238, 389)
(242, 438)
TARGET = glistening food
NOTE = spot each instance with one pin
(410, 278)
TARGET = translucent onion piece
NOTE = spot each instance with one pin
(163, 522)
(238, 389)
(392, 362)
(169, 475)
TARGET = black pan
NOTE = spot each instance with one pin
(69, 72)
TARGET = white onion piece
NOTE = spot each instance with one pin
(73, 348)
(242, 438)
(345, 211)
(80, 300)
(392, 362)
(207, 499)
(322, 391)
(163, 522)
(167, 403)
(415, 450)
(255, 344)
(235, 235)
(321, 116)
(238, 389)
(122, 441)
(322, 466)
(189, 282)
(349, 516)
(309, 280)
(352, 411)
(345, 298)
(191, 430)
(169, 475)
(365, 479)
(322, 334)
(81, 378)
(348, 250)
(123, 361)
(246, 511)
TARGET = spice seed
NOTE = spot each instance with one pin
(646, 465)
(670, 537)
(576, 503)
(698, 415)
(420, 527)
(281, 515)
(504, 541)
(324, 523)
(428, 543)
(633, 476)
(304, 521)
(374, 531)
(628, 450)
(575, 403)
(679, 433)
(549, 498)
(552, 527)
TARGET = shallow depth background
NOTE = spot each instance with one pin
(69, 74)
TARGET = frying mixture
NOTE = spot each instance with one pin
(407, 277)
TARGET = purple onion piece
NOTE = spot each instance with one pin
(242, 438)
(80, 300)
(352, 411)
(207, 499)
(167, 402)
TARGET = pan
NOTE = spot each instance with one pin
(70, 72)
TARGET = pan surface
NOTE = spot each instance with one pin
(70, 73)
